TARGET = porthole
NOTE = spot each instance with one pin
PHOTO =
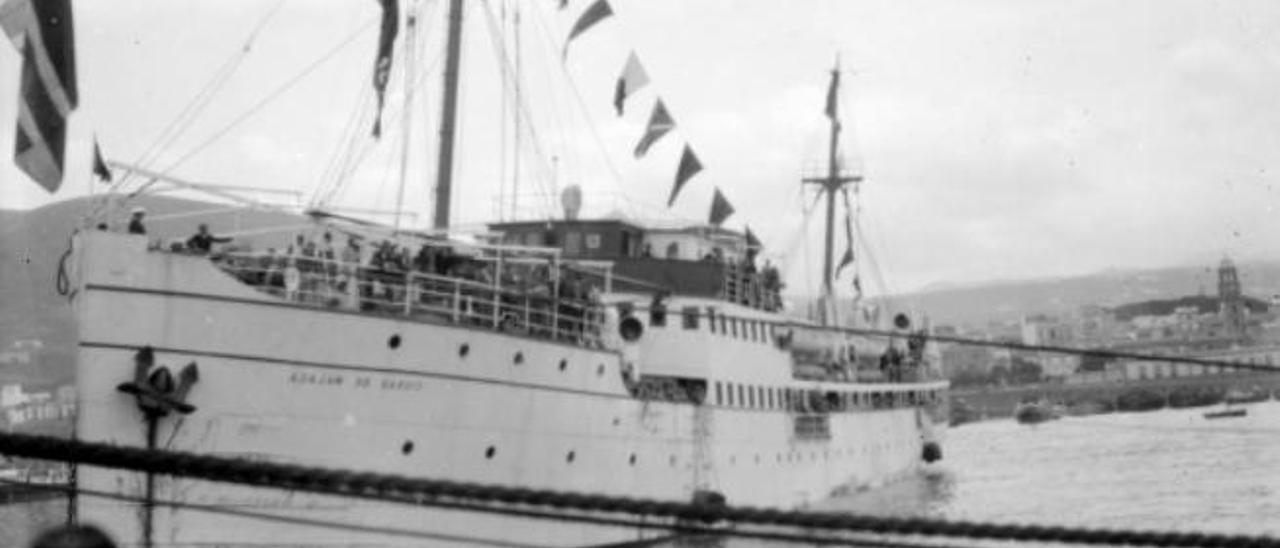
(570, 456)
(564, 364)
(464, 349)
(394, 342)
(518, 358)
(632, 460)
(406, 447)
(490, 452)
(673, 460)
(600, 370)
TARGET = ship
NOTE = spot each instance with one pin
(603, 356)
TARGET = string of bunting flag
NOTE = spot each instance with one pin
(631, 80)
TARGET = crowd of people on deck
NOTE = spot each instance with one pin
(390, 277)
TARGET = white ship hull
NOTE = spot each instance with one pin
(323, 387)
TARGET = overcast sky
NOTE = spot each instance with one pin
(999, 139)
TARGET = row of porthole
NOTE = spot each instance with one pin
(491, 451)
(464, 349)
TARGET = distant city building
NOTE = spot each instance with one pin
(1231, 299)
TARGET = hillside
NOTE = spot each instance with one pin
(1008, 301)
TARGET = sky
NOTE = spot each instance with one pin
(997, 139)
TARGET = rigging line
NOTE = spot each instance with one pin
(350, 141)
(367, 145)
(345, 147)
(888, 296)
(186, 115)
(522, 107)
(811, 539)
(70, 490)
(271, 96)
(183, 121)
(586, 115)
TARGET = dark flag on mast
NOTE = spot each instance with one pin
(847, 259)
(382, 65)
(833, 98)
(721, 209)
(42, 29)
(99, 165)
(689, 166)
(594, 14)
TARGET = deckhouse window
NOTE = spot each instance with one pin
(742, 396)
(751, 396)
(719, 393)
(573, 242)
(690, 317)
(733, 325)
(593, 241)
(724, 324)
(658, 315)
(711, 319)
(729, 391)
(673, 250)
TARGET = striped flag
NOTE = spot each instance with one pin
(721, 209)
(594, 14)
(42, 29)
(633, 78)
(660, 123)
(689, 166)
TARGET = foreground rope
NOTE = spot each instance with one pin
(392, 488)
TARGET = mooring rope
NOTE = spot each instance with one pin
(423, 491)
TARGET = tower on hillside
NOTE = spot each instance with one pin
(1230, 299)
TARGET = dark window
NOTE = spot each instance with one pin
(742, 395)
(719, 393)
(673, 250)
(733, 326)
(751, 396)
(730, 394)
(724, 324)
(690, 317)
(769, 398)
(711, 319)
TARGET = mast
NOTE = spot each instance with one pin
(830, 184)
(448, 116)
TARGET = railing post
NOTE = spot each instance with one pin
(408, 293)
(457, 302)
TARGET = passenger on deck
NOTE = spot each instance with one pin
(292, 279)
(203, 241)
(135, 221)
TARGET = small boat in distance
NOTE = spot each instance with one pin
(1226, 413)
(1036, 412)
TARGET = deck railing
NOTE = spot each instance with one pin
(533, 310)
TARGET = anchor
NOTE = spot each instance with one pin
(157, 396)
